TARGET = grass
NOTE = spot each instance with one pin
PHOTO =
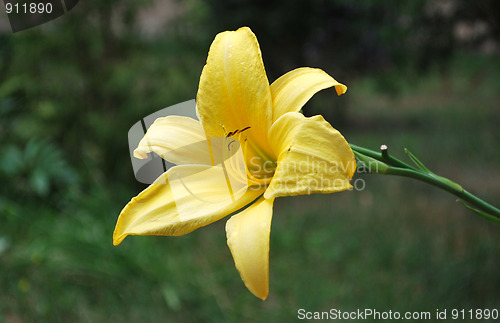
(396, 245)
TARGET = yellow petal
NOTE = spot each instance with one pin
(312, 157)
(291, 91)
(234, 93)
(201, 198)
(178, 139)
(248, 239)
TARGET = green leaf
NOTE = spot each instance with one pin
(11, 160)
(39, 182)
(482, 214)
(171, 298)
(424, 169)
(417, 162)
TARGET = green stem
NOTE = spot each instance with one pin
(389, 165)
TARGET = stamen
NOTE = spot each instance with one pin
(223, 128)
(232, 133)
(244, 129)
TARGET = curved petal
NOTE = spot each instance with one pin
(292, 90)
(173, 207)
(248, 239)
(313, 157)
(180, 140)
(233, 94)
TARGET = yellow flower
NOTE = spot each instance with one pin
(280, 153)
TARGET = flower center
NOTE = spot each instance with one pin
(259, 166)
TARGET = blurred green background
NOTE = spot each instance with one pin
(421, 74)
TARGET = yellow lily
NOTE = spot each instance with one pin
(283, 153)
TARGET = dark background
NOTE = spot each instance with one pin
(421, 74)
